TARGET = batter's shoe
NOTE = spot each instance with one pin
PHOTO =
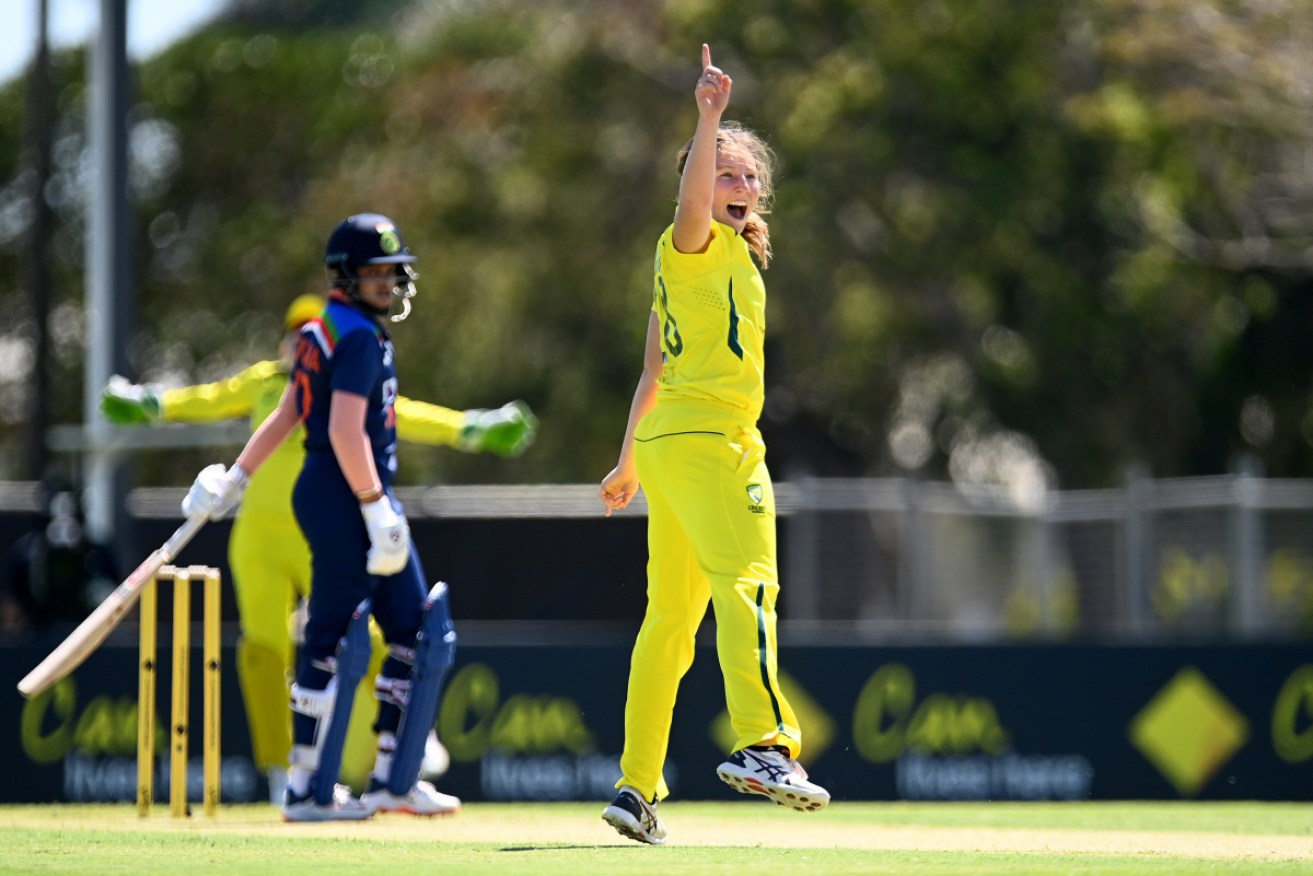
(423, 799)
(343, 808)
(770, 772)
(635, 818)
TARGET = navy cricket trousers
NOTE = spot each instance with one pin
(329, 515)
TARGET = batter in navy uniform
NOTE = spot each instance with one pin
(344, 390)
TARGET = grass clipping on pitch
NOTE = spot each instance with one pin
(570, 838)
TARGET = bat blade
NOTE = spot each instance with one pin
(88, 636)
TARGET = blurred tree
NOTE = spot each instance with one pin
(1016, 243)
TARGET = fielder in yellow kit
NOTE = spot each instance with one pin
(693, 444)
(269, 557)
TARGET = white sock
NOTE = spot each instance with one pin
(298, 780)
(387, 747)
(301, 767)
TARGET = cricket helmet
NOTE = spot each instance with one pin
(370, 239)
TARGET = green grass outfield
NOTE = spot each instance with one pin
(749, 836)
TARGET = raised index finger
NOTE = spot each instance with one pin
(706, 56)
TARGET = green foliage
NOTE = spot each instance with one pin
(1012, 240)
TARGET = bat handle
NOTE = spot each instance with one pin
(180, 537)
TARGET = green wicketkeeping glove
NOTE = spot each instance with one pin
(506, 431)
(125, 402)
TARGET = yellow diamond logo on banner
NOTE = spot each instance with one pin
(817, 726)
(1188, 731)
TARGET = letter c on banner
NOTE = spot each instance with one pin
(882, 711)
(1294, 743)
(468, 710)
(61, 701)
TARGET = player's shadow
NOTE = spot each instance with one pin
(555, 848)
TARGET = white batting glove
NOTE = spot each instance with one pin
(389, 538)
(216, 491)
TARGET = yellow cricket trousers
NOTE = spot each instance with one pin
(711, 538)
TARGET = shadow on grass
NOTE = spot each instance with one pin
(556, 848)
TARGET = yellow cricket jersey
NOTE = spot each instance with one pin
(712, 311)
(255, 392)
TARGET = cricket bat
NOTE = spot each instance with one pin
(84, 640)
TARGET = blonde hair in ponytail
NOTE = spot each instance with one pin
(732, 135)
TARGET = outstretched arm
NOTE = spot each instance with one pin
(621, 484)
(221, 400)
(697, 185)
(505, 431)
(425, 423)
(125, 402)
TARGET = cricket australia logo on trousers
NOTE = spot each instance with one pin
(755, 494)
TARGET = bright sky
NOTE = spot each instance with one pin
(153, 25)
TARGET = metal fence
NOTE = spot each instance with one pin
(1225, 558)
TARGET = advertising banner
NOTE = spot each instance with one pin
(880, 723)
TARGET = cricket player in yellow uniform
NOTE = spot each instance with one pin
(269, 557)
(692, 442)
